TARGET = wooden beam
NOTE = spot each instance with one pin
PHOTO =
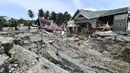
(81, 18)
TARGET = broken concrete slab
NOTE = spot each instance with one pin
(4, 40)
(105, 33)
(33, 61)
(3, 33)
(3, 66)
(36, 38)
(82, 55)
(22, 54)
(47, 67)
(2, 59)
(7, 43)
(123, 38)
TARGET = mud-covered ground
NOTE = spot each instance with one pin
(38, 51)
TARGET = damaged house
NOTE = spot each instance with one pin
(90, 21)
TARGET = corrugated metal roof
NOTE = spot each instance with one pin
(115, 11)
(102, 13)
(92, 14)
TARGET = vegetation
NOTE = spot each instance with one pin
(58, 18)
(53, 16)
(13, 23)
(31, 15)
(41, 13)
(2, 22)
(118, 67)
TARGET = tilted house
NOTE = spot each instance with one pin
(117, 19)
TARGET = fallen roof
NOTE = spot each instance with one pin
(95, 14)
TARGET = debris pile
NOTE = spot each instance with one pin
(109, 35)
(37, 52)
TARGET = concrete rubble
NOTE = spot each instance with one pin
(43, 52)
(109, 35)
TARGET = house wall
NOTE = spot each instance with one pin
(93, 22)
(120, 22)
(128, 26)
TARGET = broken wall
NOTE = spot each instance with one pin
(120, 22)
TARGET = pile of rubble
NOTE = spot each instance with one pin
(109, 35)
(43, 52)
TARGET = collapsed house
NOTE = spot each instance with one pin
(48, 25)
(90, 21)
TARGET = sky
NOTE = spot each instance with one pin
(19, 8)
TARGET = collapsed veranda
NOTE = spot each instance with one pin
(90, 21)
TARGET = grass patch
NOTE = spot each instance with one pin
(117, 70)
(118, 67)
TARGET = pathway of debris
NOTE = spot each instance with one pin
(38, 51)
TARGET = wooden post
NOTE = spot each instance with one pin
(76, 30)
(87, 27)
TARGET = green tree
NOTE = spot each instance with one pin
(31, 15)
(41, 13)
(53, 16)
(59, 18)
(2, 22)
(28, 22)
(21, 21)
(66, 17)
(47, 15)
(13, 23)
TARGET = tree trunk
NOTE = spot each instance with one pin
(16, 28)
(1, 27)
(29, 27)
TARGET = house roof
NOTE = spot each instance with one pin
(102, 13)
(71, 23)
(116, 11)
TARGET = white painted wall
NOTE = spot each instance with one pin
(128, 26)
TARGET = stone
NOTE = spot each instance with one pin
(99, 39)
(15, 65)
(35, 38)
(2, 59)
(34, 62)
(50, 41)
(123, 38)
(73, 39)
(94, 35)
(110, 38)
(1, 49)
(3, 33)
(119, 39)
(106, 53)
(4, 40)
(46, 52)
(7, 43)
(3, 66)
(105, 33)
(21, 54)
(73, 64)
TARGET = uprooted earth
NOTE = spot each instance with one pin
(39, 51)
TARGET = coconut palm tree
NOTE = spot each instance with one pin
(31, 15)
